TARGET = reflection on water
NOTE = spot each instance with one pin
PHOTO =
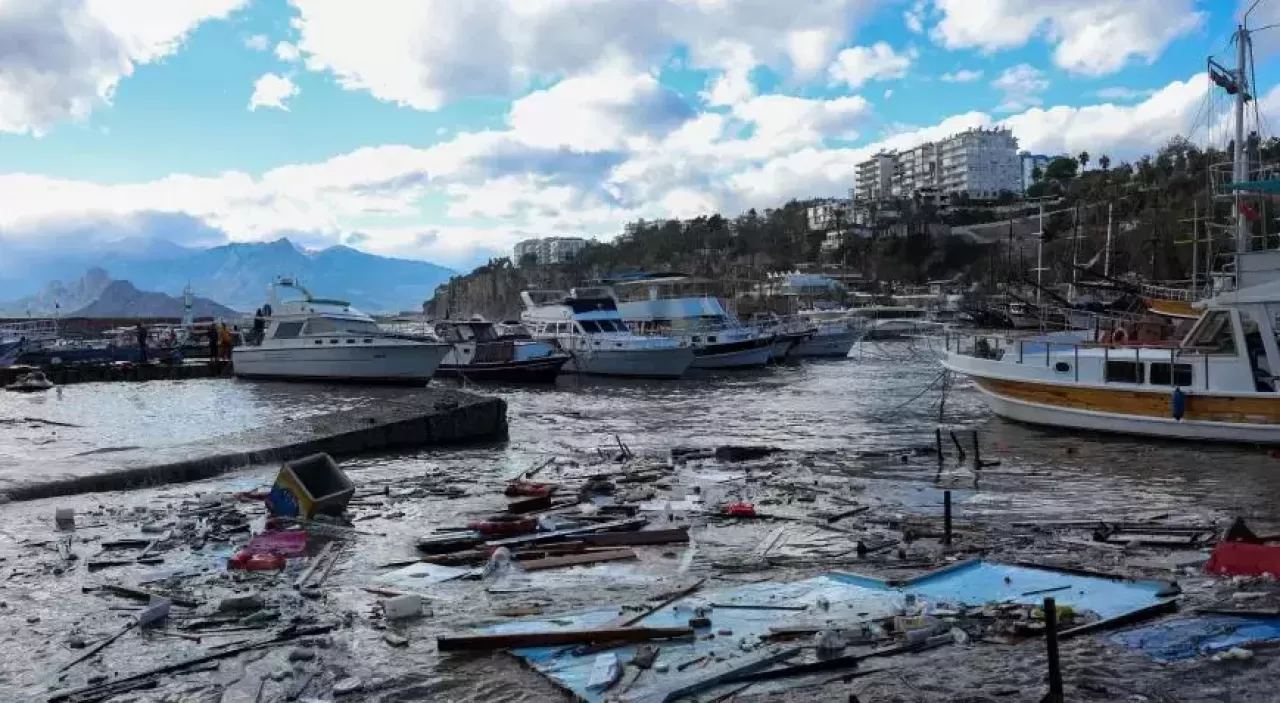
(841, 408)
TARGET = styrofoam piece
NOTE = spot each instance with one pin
(408, 605)
(156, 611)
(604, 671)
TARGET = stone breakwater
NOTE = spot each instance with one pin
(432, 417)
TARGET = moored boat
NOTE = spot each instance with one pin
(315, 339)
(835, 332)
(478, 352)
(30, 383)
(598, 341)
(718, 339)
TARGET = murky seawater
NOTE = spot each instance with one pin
(885, 397)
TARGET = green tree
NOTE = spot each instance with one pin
(1083, 158)
(1062, 170)
(1105, 162)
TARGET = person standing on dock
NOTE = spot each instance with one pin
(142, 343)
(224, 336)
(213, 342)
(259, 327)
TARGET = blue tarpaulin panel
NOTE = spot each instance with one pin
(1187, 638)
(850, 599)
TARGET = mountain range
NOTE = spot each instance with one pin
(236, 275)
(95, 295)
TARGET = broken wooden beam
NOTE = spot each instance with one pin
(529, 505)
(556, 638)
(576, 532)
(577, 559)
(848, 513)
(1129, 618)
(609, 539)
(145, 595)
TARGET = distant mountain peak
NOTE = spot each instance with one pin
(236, 274)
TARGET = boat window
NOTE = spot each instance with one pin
(1214, 333)
(590, 326)
(287, 330)
(1160, 375)
(1124, 372)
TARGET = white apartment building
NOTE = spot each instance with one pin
(550, 250)
(1029, 163)
(980, 163)
(828, 215)
(875, 177)
(916, 169)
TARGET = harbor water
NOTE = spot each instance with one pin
(882, 401)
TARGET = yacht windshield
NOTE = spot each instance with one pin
(328, 325)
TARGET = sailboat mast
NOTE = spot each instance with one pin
(1240, 165)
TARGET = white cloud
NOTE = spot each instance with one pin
(914, 17)
(860, 64)
(1126, 94)
(257, 42)
(63, 58)
(422, 53)
(758, 153)
(1021, 85)
(602, 111)
(272, 90)
(734, 84)
(1092, 37)
(964, 75)
(888, 93)
(287, 52)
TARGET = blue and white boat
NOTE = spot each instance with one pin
(587, 326)
(718, 338)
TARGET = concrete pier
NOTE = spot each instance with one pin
(65, 374)
(431, 417)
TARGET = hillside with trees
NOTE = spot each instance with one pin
(1154, 203)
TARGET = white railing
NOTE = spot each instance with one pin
(1027, 352)
(34, 330)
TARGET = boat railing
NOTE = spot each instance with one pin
(1186, 295)
(650, 329)
(1048, 352)
(33, 330)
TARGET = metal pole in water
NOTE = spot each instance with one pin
(1051, 644)
(946, 517)
(937, 445)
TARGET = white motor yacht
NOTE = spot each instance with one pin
(308, 338)
(598, 341)
(718, 339)
(835, 332)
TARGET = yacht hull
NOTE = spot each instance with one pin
(396, 363)
(542, 370)
(836, 344)
(738, 355)
(670, 362)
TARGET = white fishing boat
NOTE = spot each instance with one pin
(18, 338)
(834, 334)
(309, 338)
(787, 332)
(1218, 381)
(597, 339)
(719, 340)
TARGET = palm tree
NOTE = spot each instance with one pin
(1105, 162)
(1083, 158)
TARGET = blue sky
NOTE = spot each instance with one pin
(446, 131)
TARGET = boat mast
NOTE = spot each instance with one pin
(1239, 163)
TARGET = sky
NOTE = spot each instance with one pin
(447, 130)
